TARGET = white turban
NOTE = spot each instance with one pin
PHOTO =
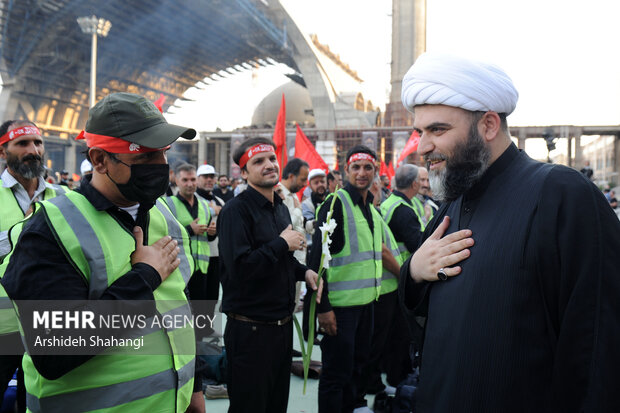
(441, 79)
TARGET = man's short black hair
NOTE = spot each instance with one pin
(361, 149)
(247, 144)
(222, 176)
(293, 167)
(4, 128)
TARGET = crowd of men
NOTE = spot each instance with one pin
(495, 275)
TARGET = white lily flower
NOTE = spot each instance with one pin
(327, 229)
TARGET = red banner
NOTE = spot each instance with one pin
(279, 136)
(410, 147)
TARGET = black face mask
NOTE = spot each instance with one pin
(146, 183)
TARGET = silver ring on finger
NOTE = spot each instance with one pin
(441, 275)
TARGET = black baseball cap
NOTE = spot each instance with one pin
(135, 119)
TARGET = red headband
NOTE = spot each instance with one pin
(17, 132)
(254, 150)
(112, 144)
(361, 156)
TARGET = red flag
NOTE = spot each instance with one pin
(279, 137)
(306, 151)
(159, 103)
(410, 147)
(390, 172)
(383, 170)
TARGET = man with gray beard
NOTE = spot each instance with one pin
(21, 185)
(519, 286)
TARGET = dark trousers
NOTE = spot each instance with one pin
(385, 309)
(205, 289)
(343, 357)
(213, 287)
(397, 361)
(259, 366)
(8, 364)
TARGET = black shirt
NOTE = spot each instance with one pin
(225, 196)
(338, 237)
(405, 224)
(257, 270)
(39, 270)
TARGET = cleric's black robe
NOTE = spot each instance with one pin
(532, 322)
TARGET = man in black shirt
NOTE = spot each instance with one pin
(518, 284)
(223, 190)
(258, 273)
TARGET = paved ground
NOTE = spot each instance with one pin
(298, 402)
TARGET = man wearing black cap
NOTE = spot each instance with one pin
(109, 241)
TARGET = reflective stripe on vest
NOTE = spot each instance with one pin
(354, 275)
(12, 214)
(111, 395)
(389, 282)
(11, 211)
(8, 318)
(199, 243)
(163, 381)
(387, 209)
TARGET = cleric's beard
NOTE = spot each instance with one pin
(464, 167)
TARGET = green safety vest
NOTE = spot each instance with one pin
(8, 319)
(387, 209)
(12, 212)
(100, 248)
(354, 274)
(199, 243)
(389, 282)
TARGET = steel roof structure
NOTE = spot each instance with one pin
(153, 47)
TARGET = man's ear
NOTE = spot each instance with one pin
(2, 152)
(99, 159)
(489, 126)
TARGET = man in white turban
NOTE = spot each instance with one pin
(520, 287)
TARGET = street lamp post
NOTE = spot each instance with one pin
(95, 27)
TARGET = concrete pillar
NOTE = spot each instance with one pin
(202, 149)
(579, 161)
(615, 177)
(225, 157)
(70, 161)
(569, 152)
(521, 139)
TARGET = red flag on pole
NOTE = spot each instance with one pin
(410, 147)
(279, 137)
(383, 170)
(159, 103)
(390, 171)
(306, 151)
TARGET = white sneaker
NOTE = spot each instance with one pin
(364, 409)
(216, 392)
(391, 391)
